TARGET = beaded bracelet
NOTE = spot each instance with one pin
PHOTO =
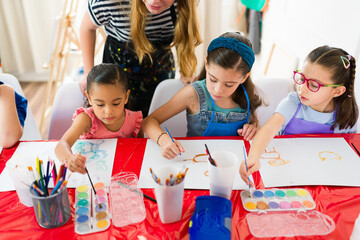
(159, 136)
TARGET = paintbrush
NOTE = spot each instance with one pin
(170, 136)
(92, 185)
(137, 191)
(212, 161)
(247, 170)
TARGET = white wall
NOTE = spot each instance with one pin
(299, 26)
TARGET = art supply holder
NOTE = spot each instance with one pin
(127, 206)
(90, 217)
(51, 211)
(169, 192)
(211, 218)
(284, 213)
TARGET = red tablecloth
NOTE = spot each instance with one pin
(342, 204)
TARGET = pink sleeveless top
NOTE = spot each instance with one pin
(129, 129)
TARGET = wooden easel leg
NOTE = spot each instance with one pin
(269, 59)
(243, 9)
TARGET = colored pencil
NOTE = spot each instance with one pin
(170, 135)
(54, 173)
(247, 170)
(42, 185)
(58, 184)
(64, 174)
(47, 172)
(137, 191)
(61, 171)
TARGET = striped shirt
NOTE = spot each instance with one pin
(114, 15)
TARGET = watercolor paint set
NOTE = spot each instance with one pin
(290, 199)
(91, 215)
(284, 212)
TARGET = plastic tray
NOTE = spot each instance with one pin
(127, 205)
(281, 224)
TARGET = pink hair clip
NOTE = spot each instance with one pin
(346, 61)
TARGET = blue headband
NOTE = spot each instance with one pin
(231, 43)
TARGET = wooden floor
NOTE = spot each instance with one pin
(35, 94)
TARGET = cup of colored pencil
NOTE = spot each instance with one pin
(51, 205)
(169, 192)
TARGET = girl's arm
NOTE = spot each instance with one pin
(11, 130)
(87, 45)
(184, 99)
(75, 162)
(261, 141)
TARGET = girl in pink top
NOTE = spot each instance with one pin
(107, 93)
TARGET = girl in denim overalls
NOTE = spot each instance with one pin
(324, 103)
(222, 104)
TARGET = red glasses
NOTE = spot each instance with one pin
(312, 85)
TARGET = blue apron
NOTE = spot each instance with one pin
(300, 126)
(226, 129)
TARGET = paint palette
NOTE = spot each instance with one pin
(90, 216)
(290, 199)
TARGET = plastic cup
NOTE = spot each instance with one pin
(52, 211)
(20, 179)
(222, 175)
(169, 197)
(356, 230)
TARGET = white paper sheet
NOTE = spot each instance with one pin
(195, 178)
(100, 155)
(310, 161)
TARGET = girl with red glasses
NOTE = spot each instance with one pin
(324, 102)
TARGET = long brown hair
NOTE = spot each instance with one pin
(330, 58)
(230, 59)
(186, 38)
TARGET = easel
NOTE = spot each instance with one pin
(65, 36)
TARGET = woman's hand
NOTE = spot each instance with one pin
(170, 149)
(76, 163)
(83, 85)
(248, 131)
(188, 80)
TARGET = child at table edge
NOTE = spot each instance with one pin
(222, 104)
(107, 93)
(324, 103)
(12, 115)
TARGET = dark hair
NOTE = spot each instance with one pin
(330, 58)
(106, 73)
(230, 59)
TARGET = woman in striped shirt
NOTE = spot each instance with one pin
(139, 36)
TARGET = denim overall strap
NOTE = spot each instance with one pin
(214, 126)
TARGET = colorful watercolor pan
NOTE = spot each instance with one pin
(90, 216)
(289, 199)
